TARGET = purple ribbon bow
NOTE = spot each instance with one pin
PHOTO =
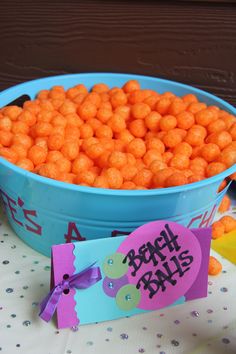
(83, 280)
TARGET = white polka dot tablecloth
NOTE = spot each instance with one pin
(204, 326)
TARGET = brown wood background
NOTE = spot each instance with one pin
(189, 41)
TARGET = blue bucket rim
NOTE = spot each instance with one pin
(120, 192)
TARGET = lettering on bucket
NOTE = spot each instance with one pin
(27, 217)
(73, 233)
(163, 261)
(203, 220)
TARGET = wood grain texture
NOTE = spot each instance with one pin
(191, 42)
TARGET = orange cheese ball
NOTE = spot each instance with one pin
(42, 129)
(121, 138)
(87, 110)
(118, 99)
(155, 143)
(95, 150)
(20, 149)
(229, 223)
(23, 139)
(216, 126)
(8, 154)
(215, 267)
(6, 138)
(131, 85)
(37, 154)
(143, 178)
(160, 177)
(214, 168)
(12, 112)
(152, 121)
(117, 123)
(55, 141)
(104, 132)
(189, 98)
(176, 179)
(27, 117)
(136, 147)
(218, 229)
(179, 161)
(150, 156)
(104, 114)
(53, 156)
(228, 119)
(210, 152)
(222, 139)
(195, 107)
(177, 106)
(26, 164)
(185, 120)
(101, 182)
(183, 148)
(58, 120)
(125, 135)
(81, 163)
(157, 165)
(49, 170)
(196, 135)
(205, 117)
(5, 124)
(70, 149)
(224, 205)
(152, 100)
(117, 159)
(171, 139)
(63, 164)
(124, 111)
(140, 110)
(114, 178)
(128, 172)
(93, 98)
(163, 105)
(138, 128)
(87, 177)
(167, 122)
(228, 156)
(100, 88)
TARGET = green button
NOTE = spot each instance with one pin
(113, 266)
(128, 297)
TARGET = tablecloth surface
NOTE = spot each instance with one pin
(204, 326)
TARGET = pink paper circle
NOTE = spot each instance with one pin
(186, 241)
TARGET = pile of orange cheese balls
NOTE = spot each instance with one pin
(119, 138)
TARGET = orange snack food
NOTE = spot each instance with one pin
(218, 229)
(121, 138)
(215, 267)
(224, 205)
(229, 223)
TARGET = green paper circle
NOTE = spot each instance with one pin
(128, 297)
(113, 266)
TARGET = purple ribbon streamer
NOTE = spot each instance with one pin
(82, 280)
